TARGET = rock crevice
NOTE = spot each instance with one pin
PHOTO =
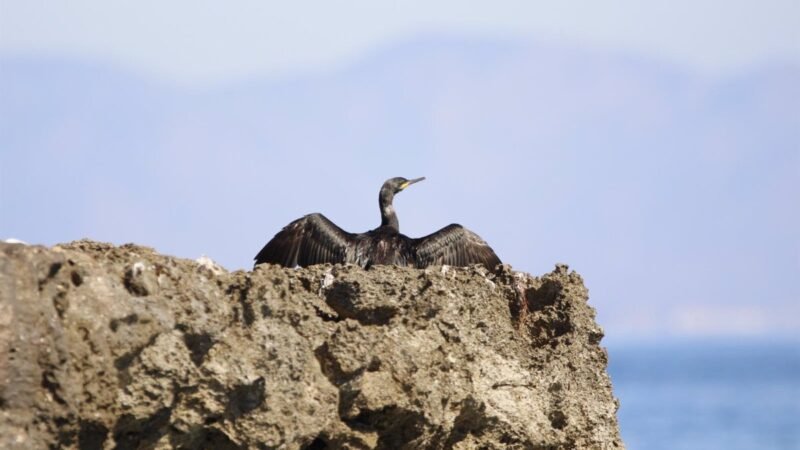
(107, 347)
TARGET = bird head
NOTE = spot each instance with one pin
(397, 184)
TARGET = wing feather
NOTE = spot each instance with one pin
(454, 245)
(312, 239)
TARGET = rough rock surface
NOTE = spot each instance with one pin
(120, 347)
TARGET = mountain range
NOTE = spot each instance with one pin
(675, 194)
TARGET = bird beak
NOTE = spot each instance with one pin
(410, 182)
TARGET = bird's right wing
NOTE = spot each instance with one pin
(454, 245)
(312, 239)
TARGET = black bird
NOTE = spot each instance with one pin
(313, 239)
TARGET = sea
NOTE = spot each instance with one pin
(706, 394)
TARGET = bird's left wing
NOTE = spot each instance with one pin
(454, 245)
(312, 239)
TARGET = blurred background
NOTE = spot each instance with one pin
(652, 146)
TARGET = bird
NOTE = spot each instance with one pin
(314, 239)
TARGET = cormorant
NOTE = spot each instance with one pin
(313, 239)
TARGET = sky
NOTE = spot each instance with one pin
(655, 147)
(208, 42)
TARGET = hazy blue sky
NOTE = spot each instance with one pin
(653, 146)
(196, 42)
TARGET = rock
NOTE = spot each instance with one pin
(120, 347)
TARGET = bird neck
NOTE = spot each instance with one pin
(388, 216)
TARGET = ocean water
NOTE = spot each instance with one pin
(708, 395)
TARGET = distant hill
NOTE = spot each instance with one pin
(664, 187)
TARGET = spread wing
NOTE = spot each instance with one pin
(312, 239)
(454, 245)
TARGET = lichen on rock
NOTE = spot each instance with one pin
(120, 347)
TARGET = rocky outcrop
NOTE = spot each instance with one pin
(120, 347)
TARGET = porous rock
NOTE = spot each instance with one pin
(107, 347)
